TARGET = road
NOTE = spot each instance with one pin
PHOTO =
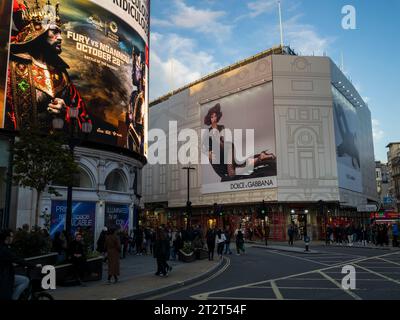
(263, 274)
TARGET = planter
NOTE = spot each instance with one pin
(93, 272)
(45, 260)
(186, 257)
(201, 254)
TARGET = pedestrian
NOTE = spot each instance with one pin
(160, 253)
(210, 244)
(100, 243)
(113, 247)
(291, 234)
(78, 257)
(364, 235)
(228, 236)
(220, 239)
(59, 245)
(177, 245)
(11, 285)
(395, 234)
(139, 241)
(267, 232)
(239, 242)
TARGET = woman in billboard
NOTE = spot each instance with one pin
(225, 165)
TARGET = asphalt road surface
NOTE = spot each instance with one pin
(263, 274)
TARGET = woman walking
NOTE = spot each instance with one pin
(113, 247)
(220, 239)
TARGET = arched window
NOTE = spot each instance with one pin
(82, 180)
(116, 181)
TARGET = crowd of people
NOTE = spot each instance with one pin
(350, 234)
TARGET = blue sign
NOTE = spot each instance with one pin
(83, 215)
(117, 215)
(387, 200)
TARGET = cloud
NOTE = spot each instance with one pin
(200, 20)
(261, 6)
(257, 8)
(304, 38)
(175, 62)
(377, 132)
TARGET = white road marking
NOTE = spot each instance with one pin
(377, 273)
(349, 292)
(396, 263)
(276, 291)
(206, 295)
(196, 283)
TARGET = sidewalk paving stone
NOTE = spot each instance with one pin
(137, 277)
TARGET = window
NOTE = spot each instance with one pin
(116, 181)
(82, 180)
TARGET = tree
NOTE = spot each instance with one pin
(39, 160)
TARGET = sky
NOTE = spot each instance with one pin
(192, 38)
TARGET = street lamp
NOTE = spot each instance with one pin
(306, 238)
(58, 124)
(188, 203)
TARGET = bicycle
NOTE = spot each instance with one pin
(34, 291)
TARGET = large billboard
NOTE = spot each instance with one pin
(83, 216)
(347, 136)
(225, 121)
(90, 55)
(5, 17)
(117, 215)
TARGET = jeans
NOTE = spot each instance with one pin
(220, 248)
(173, 254)
(20, 284)
(227, 248)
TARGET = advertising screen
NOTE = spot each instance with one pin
(117, 215)
(347, 136)
(90, 55)
(224, 123)
(5, 11)
(83, 216)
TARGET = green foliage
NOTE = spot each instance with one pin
(31, 244)
(41, 159)
(187, 247)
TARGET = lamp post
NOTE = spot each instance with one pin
(73, 141)
(306, 238)
(188, 203)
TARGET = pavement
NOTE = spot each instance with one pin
(137, 280)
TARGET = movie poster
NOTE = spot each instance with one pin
(117, 215)
(83, 216)
(88, 55)
(224, 172)
(5, 11)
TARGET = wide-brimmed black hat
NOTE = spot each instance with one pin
(217, 110)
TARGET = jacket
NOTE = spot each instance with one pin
(7, 271)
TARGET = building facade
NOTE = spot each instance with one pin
(382, 183)
(305, 113)
(394, 173)
(96, 89)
